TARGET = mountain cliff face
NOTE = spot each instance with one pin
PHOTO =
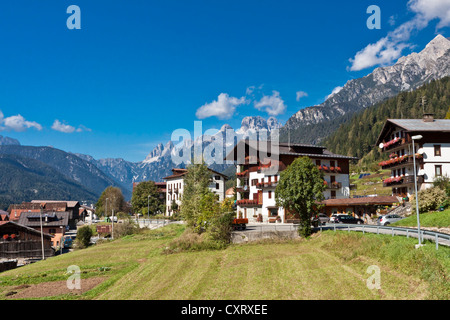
(7, 141)
(313, 124)
(159, 163)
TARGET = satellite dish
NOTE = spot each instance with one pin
(420, 151)
(245, 188)
(381, 145)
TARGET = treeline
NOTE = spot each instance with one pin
(357, 136)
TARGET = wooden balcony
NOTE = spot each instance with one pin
(333, 185)
(402, 180)
(400, 161)
(248, 203)
(266, 185)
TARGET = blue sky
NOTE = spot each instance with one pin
(138, 70)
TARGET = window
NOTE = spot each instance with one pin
(254, 182)
(437, 150)
(275, 179)
(270, 177)
(217, 186)
(438, 171)
(317, 162)
(217, 177)
(332, 163)
(270, 194)
(333, 194)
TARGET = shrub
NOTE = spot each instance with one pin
(84, 235)
(125, 228)
(429, 199)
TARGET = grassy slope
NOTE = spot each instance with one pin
(439, 219)
(327, 266)
(367, 184)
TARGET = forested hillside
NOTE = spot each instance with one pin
(24, 179)
(357, 136)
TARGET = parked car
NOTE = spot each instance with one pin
(348, 220)
(335, 215)
(388, 219)
(321, 217)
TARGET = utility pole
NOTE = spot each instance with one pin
(42, 233)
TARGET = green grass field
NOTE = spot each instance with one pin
(327, 266)
(439, 219)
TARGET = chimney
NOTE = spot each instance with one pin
(428, 117)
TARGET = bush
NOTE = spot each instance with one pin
(125, 228)
(192, 241)
(84, 235)
(429, 199)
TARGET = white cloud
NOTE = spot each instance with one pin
(335, 90)
(62, 127)
(17, 123)
(300, 94)
(273, 104)
(222, 108)
(388, 49)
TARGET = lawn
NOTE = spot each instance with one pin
(329, 265)
(438, 219)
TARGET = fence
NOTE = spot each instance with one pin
(23, 249)
(436, 237)
(266, 229)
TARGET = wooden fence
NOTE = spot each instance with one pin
(23, 249)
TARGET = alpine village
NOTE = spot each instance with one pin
(328, 193)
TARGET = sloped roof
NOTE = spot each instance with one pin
(56, 219)
(379, 200)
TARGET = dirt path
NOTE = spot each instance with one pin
(50, 289)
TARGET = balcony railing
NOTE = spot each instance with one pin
(329, 169)
(248, 203)
(401, 180)
(263, 185)
(396, 142)
(397, 161)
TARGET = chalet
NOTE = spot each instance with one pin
(258, 176)
(53, 223)
(431, 152)
(175, 186)
(19, 241)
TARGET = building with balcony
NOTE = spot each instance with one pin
(431, 152)
(258, 175)
(175, 186)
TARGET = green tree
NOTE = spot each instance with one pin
(299, 191)
(147, 198)
(447, 116)
(84, 235)
(115, 202)
(196, 182)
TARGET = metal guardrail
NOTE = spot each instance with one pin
(437, 237)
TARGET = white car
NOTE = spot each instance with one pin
(334, 215)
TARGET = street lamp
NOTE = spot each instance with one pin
(418, 137)
(148, 208)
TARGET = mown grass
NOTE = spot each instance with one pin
(327, 266)
(438, 219)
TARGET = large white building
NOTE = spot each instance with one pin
(256, 182)
(432, 152)
(175, 187)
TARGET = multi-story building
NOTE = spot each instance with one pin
(257, 178)
(432, 152)
(175, 187)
